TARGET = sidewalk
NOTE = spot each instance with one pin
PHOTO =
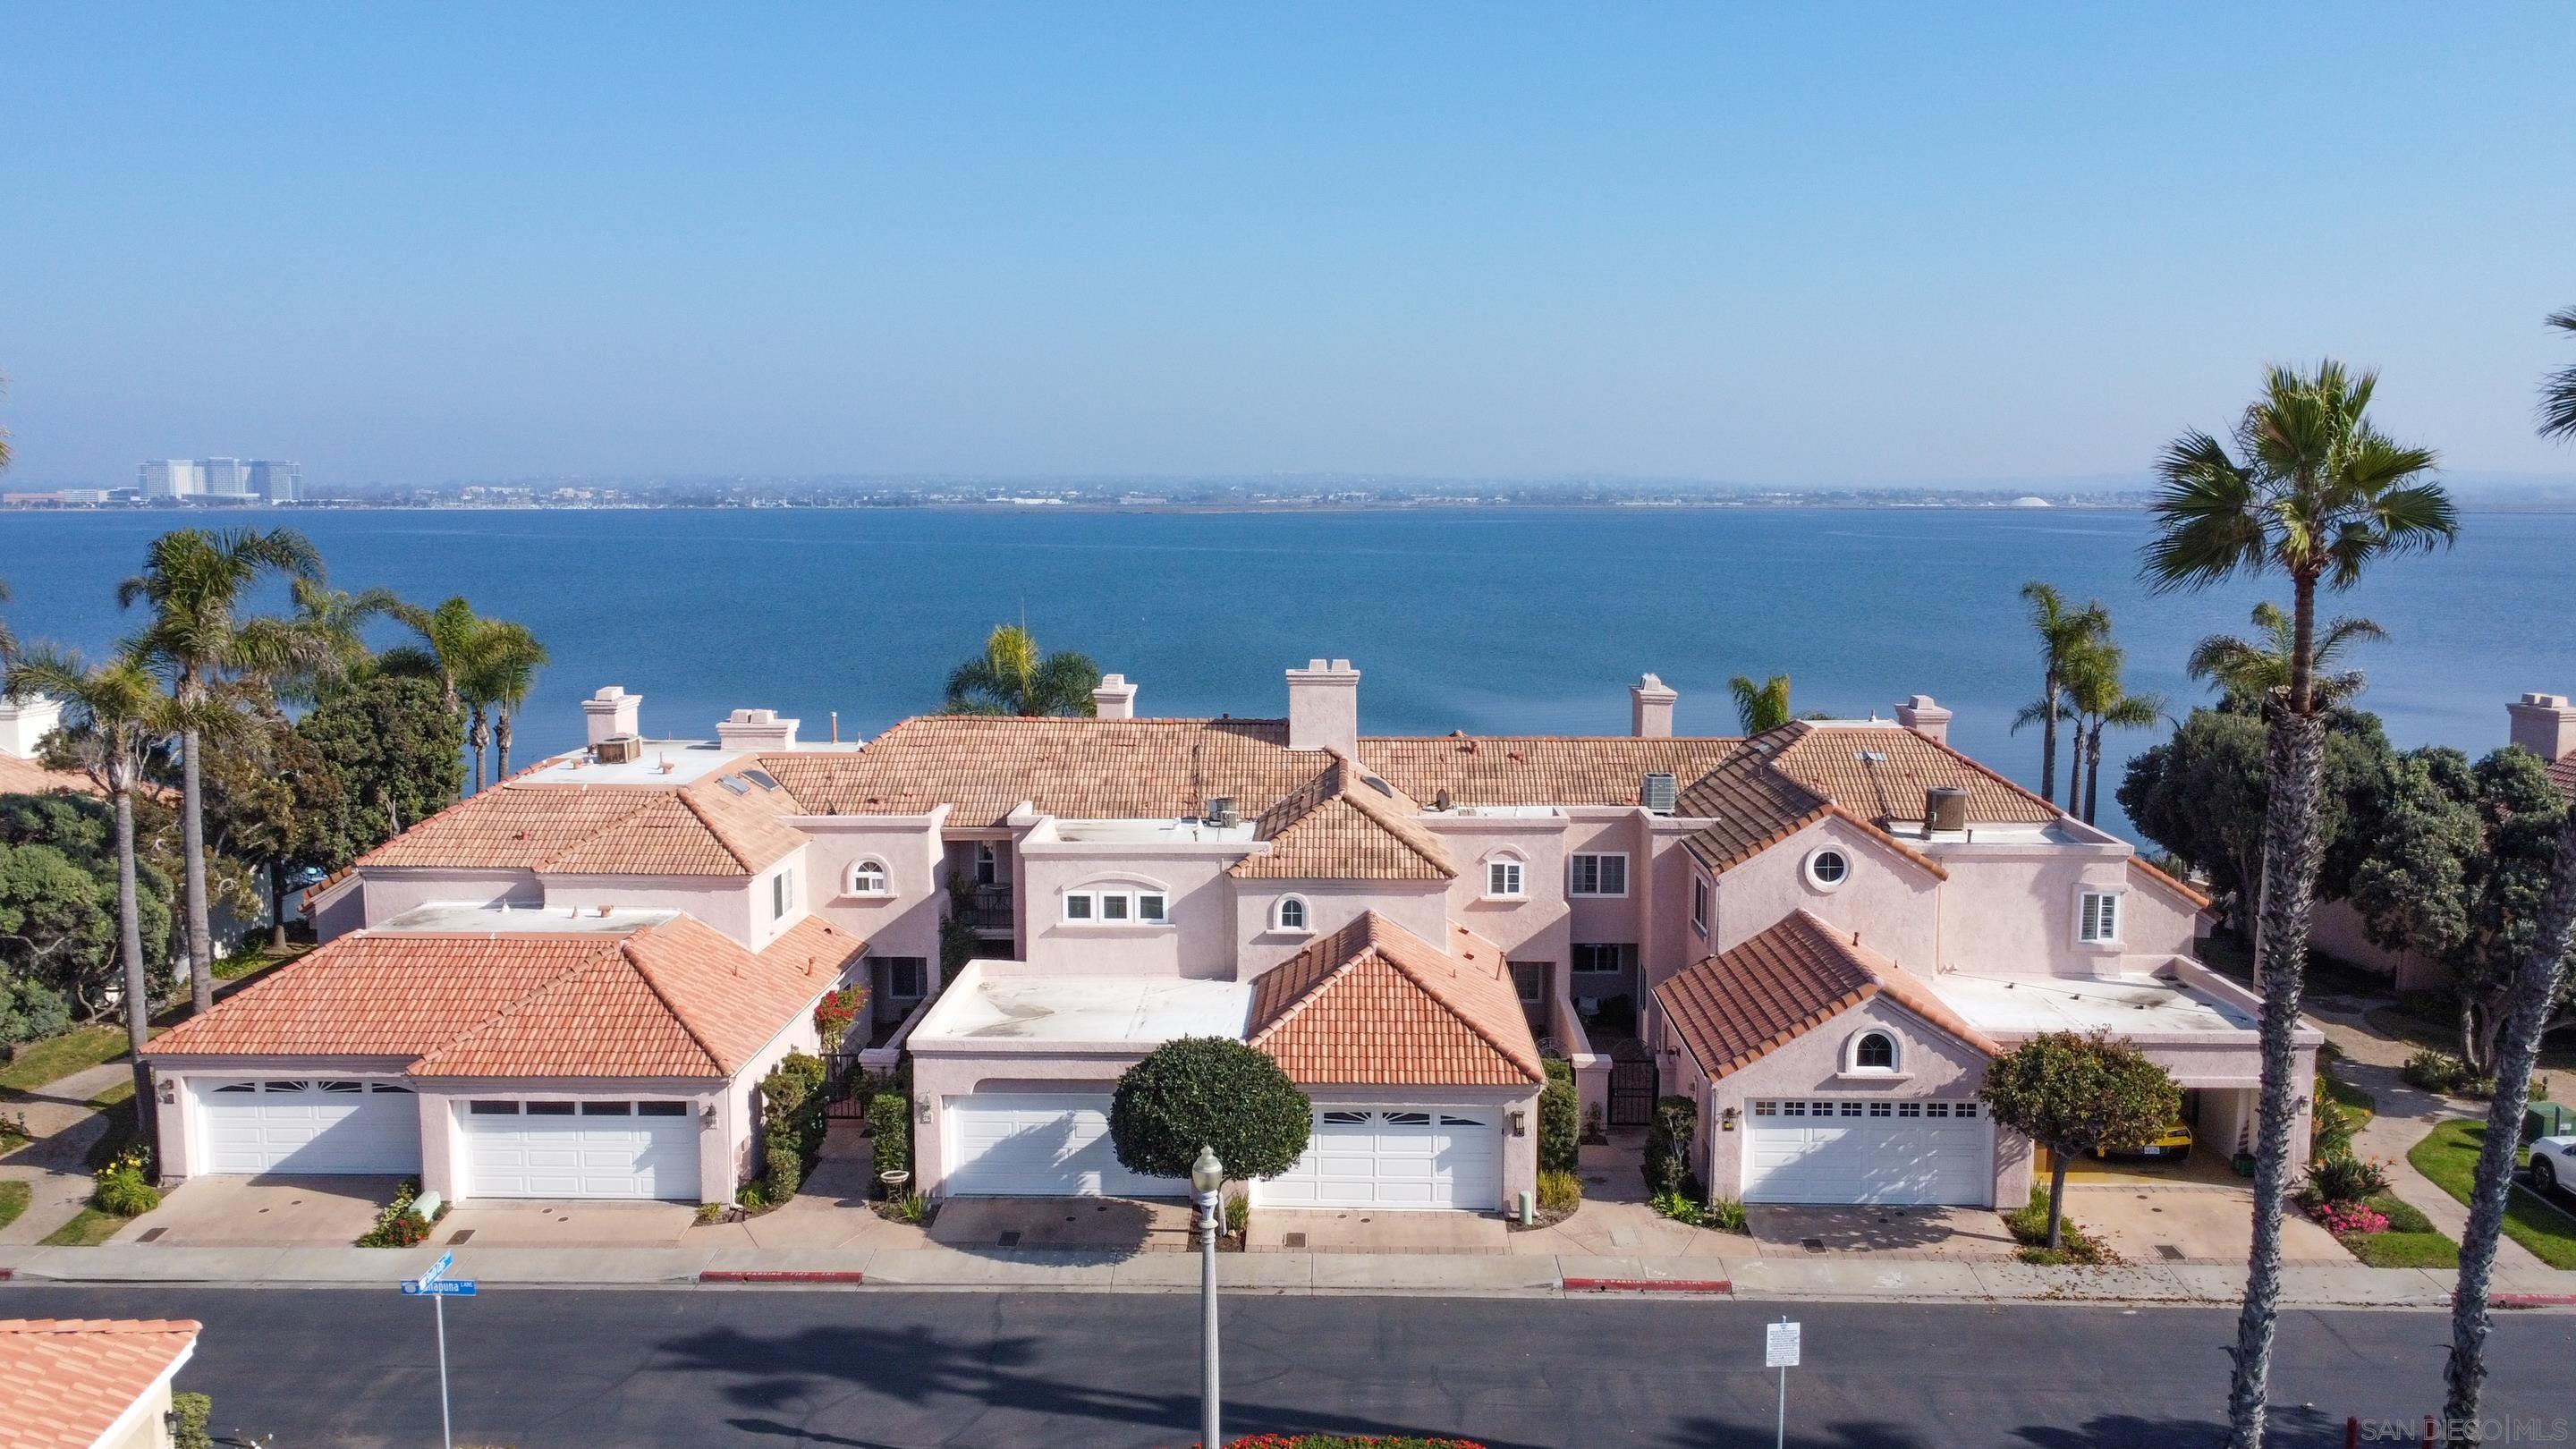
(54, 1165)
(1742, 1274)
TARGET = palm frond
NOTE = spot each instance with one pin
(2558, 393)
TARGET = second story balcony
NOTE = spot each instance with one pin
(988, 909)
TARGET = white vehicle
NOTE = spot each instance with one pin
(2553, 1163)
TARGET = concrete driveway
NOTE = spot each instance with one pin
(1108, 1225)
(1938, 1234)
(263, 1212)
(2184, 1221)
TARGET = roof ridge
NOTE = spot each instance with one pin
(1446, 1005)
(609, 945)
(720, 830)
(626, 952)
(1365, 923)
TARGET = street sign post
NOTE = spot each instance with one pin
(1780, 1351)
(437, 1287)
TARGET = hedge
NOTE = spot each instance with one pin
(1560, 1120)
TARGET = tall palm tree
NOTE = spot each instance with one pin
(1763, 706)
(2250, 671)
(2312, 491)
(114, 714)
(337, 621)
(507, 670)
(8, 641)
(194, 580)
(1011, 676)
(2101, 703)
(2527, 1010)
(2062, 632)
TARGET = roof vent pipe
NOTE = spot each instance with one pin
(1945, 807)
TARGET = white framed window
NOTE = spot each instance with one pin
(782, 894)
(2097, 917)
(1604, 874)
(988, 864)
(1828, 868)
(1529, 980)
(1699, 905)
(1872, 1051)
(1079, 905)
(1289, 914)
(1503, 878)
(1116, 906)
(1149, 906)
(869, 878)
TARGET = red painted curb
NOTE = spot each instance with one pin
(2533, 1300)
(723, 1276)
(7, 1273)
(1647, 1285)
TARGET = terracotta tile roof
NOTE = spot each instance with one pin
(1375, 1005)
(674, 998)
(26, 777)
(64, 1382)
(1783, 780)
(1736, 1008)
(1345, 824)
(2562, 773)
(1537, 769)
(2141, 866)
(701, 828)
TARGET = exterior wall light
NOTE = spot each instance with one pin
(1520, 1122)
(1726, 1120)
(707, 1116)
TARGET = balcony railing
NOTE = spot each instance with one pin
(988, 908)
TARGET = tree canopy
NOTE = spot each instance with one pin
(1012, 676)
(58, 921)
(1209, 1091)
(2072, 1093)
(391, 741)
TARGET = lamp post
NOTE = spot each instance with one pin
(1207, 1176)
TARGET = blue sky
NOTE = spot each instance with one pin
(1853, 244)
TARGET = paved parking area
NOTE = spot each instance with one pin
(2190, 1222)
(1941, 1234)
(1356, 1230)
(1071, 1224)
(257, 1212)
(537, 1223)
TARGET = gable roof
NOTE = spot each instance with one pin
(1345, 824)
(65, 1382)
(699, 829)
(1373, 1004)
(673, 998)
(1785, 779)
(1538, 769)
(1733, 1009)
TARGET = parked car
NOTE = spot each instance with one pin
(2175, 1143)
(2553, 1164)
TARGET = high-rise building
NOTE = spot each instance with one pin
(223, 477)
(277, 482)
(170, 478)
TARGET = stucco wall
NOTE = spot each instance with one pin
(2013, 913)
(1199, 902)
(1532, 928)
(1892, 902)
(389, 893)
(1418, 906)
(905, 923)
(2336, 929)
(723, 902)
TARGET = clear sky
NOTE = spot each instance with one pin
(1804, 245)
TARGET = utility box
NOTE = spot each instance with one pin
(2547, 1119)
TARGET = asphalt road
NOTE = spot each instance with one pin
(584, 1370)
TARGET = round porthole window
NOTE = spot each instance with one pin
(1828, 869)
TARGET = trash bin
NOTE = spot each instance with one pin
(2547, 1119)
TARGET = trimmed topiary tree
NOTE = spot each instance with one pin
(1560, 1120)
(1209, 1091)
(890, 1131)
(2072, 1093)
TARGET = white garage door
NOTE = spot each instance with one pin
(311, 1125)
(1869, 1152)
(1394, 1157)
(581, 1149)
(1041, 1144)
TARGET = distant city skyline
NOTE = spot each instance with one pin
(1860, 248)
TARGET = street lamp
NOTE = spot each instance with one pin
(1207, 1175)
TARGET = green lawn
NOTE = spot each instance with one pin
(87, 1230)
(122, 1132)
(56, 1057)
(2450, 1158)
(2410, 1242)
(13, 1200)
(2348, 1095)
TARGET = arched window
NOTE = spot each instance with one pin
(1874, 1052)
(1290, 914)
(868, 878)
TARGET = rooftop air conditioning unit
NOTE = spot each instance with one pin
(619, 750)
(1945, 807)
(1658, 794)
(1222, 814)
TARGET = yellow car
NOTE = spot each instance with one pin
(2176, 1142)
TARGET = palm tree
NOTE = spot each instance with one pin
(511, 657)
(2093, 688)
(2249, 671)
(2527, 1010)
(483, 666)
(2315, 492)
(337, 621)
(1763, 706)
(2062, 632)
(114, 714)
(8, 641)
(194, 581)
(1012, 677)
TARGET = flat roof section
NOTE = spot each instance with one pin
(688, 760)
(2129, 1005)
(1147, 1010)
(477, 918)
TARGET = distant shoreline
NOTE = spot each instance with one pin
(11, 509)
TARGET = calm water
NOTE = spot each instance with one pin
(1490, 621)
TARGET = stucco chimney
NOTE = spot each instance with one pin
(756, 729)
(24, 723)
(612, 711)
(1919, 714)
(1650, 709)
(1324, 707)
(2544, 724)
(1115, 698)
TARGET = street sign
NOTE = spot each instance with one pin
(1780, 1345)
(439, 1269)
(443, 1288)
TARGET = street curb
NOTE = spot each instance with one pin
(754, 1275)
(1646, 1285)
(2533, 1300)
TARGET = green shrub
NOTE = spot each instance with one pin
(2330, 1126)
(1238, 1216)
(1560, 1120)
(1209, 1091)
(188, 1416)
(785, 1173)
(792, 1107)
(1727, 1216)
(1559, 1192)
(2346, 1179)
(399, 1223)
(890, 1125)
(1668, 1145)
(1680, 1208)
(125, 1187)
(2437, 1071)
(2029, 1225)
(712, 1212)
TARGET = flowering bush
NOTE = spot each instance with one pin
(2340, 1218)
(835, 1014)
(2346, 1178)
(125, 1184)
(399, 1223)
